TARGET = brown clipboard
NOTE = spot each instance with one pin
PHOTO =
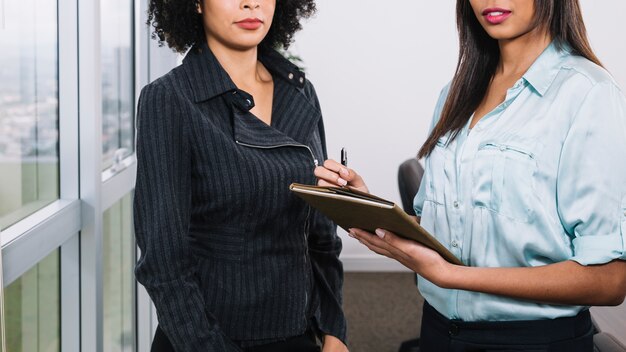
(351, 208)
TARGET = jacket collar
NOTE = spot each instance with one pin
(208, 78)
(294, 122)
(281, 67)
(296, 118)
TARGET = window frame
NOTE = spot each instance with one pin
(73, 223)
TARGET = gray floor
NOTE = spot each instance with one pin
(382, 309)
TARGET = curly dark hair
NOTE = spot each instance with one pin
(177, 22)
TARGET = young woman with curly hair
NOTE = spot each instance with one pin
(231, 260)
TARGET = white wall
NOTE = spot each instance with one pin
(378, 68)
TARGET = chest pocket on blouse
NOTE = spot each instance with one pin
(437, 175)
(503, 176)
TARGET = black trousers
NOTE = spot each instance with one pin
(303, 343)
(573, 334)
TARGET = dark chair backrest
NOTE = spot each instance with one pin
(410, 175)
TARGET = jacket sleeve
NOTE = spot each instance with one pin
(324, 248)
(161, 217)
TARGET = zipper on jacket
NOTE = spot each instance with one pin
(308, 267)
(306, 221)
(315, 161)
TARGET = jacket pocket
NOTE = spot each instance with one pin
(226, 243)
(503, 176)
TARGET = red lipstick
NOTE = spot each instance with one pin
(496, 15)
(249, 23)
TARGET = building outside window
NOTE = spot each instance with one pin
(29, 108)
(118, 247)
(32, 309)
(118, 96)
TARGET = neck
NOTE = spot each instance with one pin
(241, 65)
(517, 55)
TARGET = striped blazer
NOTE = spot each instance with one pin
(228, 255)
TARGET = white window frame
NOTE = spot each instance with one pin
(73, 223)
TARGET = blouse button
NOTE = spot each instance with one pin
(456, 204)
(290, 76)
(502, 148)
(455, 244)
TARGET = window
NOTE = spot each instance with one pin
(29, 153)
(32, 309)
(119, 282)
(118, 82)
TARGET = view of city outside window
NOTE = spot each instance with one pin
(118, 97)
(118, 262)
(29, 108)
(32, 307)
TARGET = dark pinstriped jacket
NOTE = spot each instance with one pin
(228, 253)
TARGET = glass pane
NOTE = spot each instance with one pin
(118, 94)
(119, 283)
(33, 309)
(29, 108)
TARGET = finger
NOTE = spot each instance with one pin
(375, 249)
(333, 165)
(406, 246)
(329, 176)
(342, 170)
(371, 241)
(399, 258)
(377, 241)
(324, 183)
(412, 251)
(345, 172)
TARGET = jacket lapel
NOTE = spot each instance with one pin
(295, 117)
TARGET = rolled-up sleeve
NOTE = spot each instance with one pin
(161, 216)
(591, 180)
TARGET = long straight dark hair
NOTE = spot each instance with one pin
(479, 55)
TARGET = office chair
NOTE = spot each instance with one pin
(605, 342)
(410, 175)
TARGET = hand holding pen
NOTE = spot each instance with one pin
(333, 174)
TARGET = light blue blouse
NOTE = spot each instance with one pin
(539, 180)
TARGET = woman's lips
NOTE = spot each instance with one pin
(249, 23)
(496, 15)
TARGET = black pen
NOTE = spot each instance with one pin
(344, 157)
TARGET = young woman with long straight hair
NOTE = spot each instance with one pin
(525, 182)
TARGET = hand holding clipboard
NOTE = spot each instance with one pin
(350, 208)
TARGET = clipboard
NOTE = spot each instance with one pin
(350, 208)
